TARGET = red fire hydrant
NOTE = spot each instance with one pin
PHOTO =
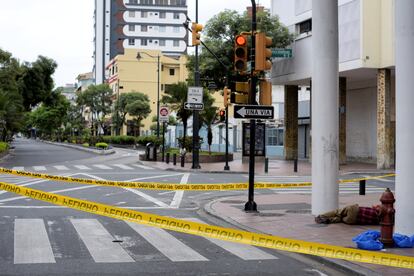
(387, 214)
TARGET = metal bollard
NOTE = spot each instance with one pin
(266, 165)
(362, 187)
(387, 216)
(182, 160)
(295, 165)
(167, 158)
(174, 159)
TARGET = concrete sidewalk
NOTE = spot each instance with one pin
(289, 216)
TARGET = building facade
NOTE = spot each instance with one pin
(366, 71)
(133, 24)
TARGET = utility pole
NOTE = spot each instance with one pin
(196, 163)
(250, 205)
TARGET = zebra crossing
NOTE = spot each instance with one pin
(128, 167)
(33, 243)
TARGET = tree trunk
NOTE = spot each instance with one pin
(185, 132)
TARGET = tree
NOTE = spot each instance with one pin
(209, 118)
(120, 111)
(139, 109)
(219, 34)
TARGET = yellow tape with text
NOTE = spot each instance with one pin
(217, 232)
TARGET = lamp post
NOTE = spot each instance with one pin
(158, 87)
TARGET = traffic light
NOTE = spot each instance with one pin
(226, 95)
(241, 94)
(222, 115)
(263, 53)
(240, 53)
(195, 29)
(265, 88)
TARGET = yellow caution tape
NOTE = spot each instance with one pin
(366, 178)
(174, 186)
(216, 232)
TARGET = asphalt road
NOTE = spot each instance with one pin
(41, 239)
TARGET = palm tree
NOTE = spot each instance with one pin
(209, 117)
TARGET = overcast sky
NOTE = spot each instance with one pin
(63, 30)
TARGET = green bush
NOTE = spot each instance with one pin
(144, 140)
(86, 145)
(3, 146)
(119, 140)
(127, 140)
(188, 143)
(101, 145)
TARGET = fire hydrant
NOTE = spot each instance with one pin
(387, 214)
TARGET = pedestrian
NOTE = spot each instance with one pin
(352, 214)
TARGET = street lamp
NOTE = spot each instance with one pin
(158, 87)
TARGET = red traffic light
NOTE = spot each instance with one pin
(241, 40)
(222, 113)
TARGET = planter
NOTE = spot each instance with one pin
(189, 158)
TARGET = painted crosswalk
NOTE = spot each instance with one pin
(349, 188)
(33, 243)
(115, 167)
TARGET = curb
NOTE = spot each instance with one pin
(99, 152)
(201, 171)
(347, 267)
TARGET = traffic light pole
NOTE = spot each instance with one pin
(196, 163)
(250, 205)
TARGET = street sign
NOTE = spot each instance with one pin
(194, 106)
(164, 114)
(281, 53)
(195, 95)
(253, 112)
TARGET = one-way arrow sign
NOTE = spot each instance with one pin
(194, 106)
(253, 112)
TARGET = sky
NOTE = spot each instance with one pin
(63, 30)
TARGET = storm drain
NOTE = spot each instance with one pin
(300, 211)
(269, 215)
(233, 201)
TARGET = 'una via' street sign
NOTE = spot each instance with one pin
(281, 53)
(253, 112)
(194, 106)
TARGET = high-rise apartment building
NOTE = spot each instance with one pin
(140, 24)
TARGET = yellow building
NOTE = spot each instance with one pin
(131, 72)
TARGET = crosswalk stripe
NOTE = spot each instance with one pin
(31, 242)
(18, 168)
(99, 242)
(82, 167)
(122, 166)
(167, 244)
(39, 168)
(142, 167)
(103, 167)
(245, 252)
(61, 168)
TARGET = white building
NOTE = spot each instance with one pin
(366, 70)
(140, 24)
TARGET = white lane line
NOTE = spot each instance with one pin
(178, 196)
(379, 179)
(167, 244)
(61, 168)
(99, 242)
(103, 167)
(148, 197)
(39, 168)
(122, 166)
(27, 184)
(142, 167)
(245, 252)
(155, 176)
(82, 167)
(18, 168)
(31, 242)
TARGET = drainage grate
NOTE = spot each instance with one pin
(233, 201)
(117, 241)
(299, 211)
(269, 215)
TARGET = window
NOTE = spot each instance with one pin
(304, 27)
(131, 13)
(161, 2)
(131, 28)
(274, 136)
(176, 29)
(176, 43)
(162, 15)
(131, 41)
(176, 15)
(172, 72)
(144, 42)
(167, 87)
(162, 42)
(162, 29)
(146, 2)
(133, 1)
(144, 14)
(144, 28)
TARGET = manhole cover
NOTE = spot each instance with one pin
(233, 201)
(117, 241)
(303, 211)
(269, 215)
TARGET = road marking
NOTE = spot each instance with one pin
(82, 167)
(18, 168)
(379, 179)
(167, 244)
(39, 168)
(178, 196)
(122, 166)
(61, 168)
(103, 167)
(155, 176)
(31, 242)
(148, 197)
(27, 184)
(142, 167)
(99, 242)
(245, 252)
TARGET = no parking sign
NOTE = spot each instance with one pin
(164, 114)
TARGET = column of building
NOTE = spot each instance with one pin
(291, 122)
(325, 120)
